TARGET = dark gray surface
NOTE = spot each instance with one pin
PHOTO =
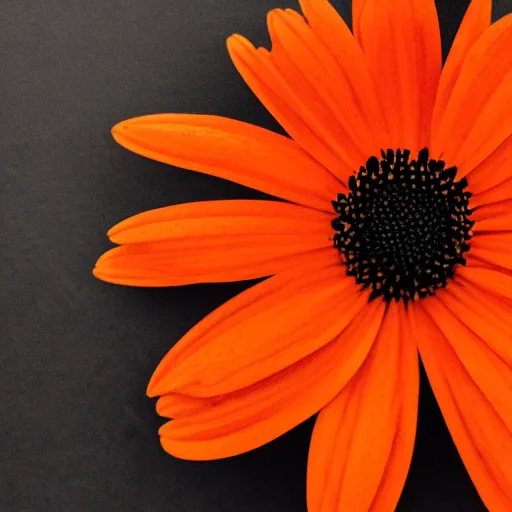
(76, 431)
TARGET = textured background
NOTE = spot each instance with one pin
(76, 431)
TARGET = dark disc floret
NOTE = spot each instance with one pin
(404, 225)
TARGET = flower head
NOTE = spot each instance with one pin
(393, 238)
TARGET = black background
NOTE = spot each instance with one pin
(76, 431)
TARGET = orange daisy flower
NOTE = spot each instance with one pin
(394, 237)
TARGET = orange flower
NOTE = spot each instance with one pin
(416, 253)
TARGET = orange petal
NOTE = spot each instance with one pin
(159, 265)
(176, 405)
(232, 150)
(487, 278)
(215, 241)
(475, 21)
(486, 315)
(307, 64)
(260, 332)
(477, 117)
(357, 11)
(491, 180)
(495, 249)
(207, 219)
(501, 192)
(286, 103)
(493, 217)
(246, 419)
(353, 77)
(402, 44)
(472, 386)
(363, 440)
(491, 128)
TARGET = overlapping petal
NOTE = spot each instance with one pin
(491, 181)
(495, 217)
(304, 60)
(226, 425)
(359, 91)
(476, 20)
(260, 332)
(472, 383)
(401, 42)
(357, 11)
(308, 125)
(489, 278)
(363, 440)
(477, 116)
(494, 248)
(487, 315)
(215, 241)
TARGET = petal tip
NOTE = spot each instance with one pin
(272, 14)
(161, 383)
(98, 273)
(159, 406)
(113, 231)
(119, 128)
(154, 388)
(236, 42)
(233, 38)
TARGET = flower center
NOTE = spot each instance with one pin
(403, 225)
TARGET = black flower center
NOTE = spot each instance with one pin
(404, 225)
